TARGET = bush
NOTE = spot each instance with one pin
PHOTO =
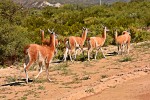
(19, 26)
(12, 41)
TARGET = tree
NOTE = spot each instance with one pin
(9, 10)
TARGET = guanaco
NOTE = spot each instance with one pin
(122, 40)
(96, 43)
(47, 42)
(41, 54)
(73, 44)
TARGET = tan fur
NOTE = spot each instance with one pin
(43, 40)
(96, 43)
(73, 43)
(41, 54)
(128, 40)
(47, 42)
(122, 40)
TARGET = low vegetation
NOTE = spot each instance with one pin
(20, 26)
(126, 58)
(11, 79)
(41, 87)
(104, 76)
(90, 90)
(63, 68)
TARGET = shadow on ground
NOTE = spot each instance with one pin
(17, 83)
(112, 53)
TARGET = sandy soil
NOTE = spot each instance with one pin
(117, 77)
(135, 89)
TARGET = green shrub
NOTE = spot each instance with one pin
(20, 26)
(126, 59)
(12, 41)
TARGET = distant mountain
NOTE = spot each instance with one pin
(57, 3)
(36, 3)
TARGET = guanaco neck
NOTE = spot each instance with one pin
(104, 34)
(116, 35)
(84, 35)
(52, 41)
(42, 35)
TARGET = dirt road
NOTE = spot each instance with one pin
(136, 89)
(116, 77)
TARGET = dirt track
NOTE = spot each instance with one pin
(135, 89)
(105, 78)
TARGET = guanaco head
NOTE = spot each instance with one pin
(85, 29)
(129, 31)
(116, 33)
(84, 34)
(42, 31)
(42, 34)
(56, 35)
(105, 28)
(57, 42)
(126, 32)
(52, 36)
(52, 33)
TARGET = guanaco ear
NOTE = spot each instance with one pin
(84, 28)
(53, 30)
(116, 31)
(50, 31)
(56, 35)
(129, 31)
(107, 29)
(41, 30)
(103, 26)
(124, 32)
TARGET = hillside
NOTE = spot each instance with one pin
(38, 3)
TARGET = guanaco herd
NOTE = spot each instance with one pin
(43, 54)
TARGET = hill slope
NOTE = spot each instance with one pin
(36, 3)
